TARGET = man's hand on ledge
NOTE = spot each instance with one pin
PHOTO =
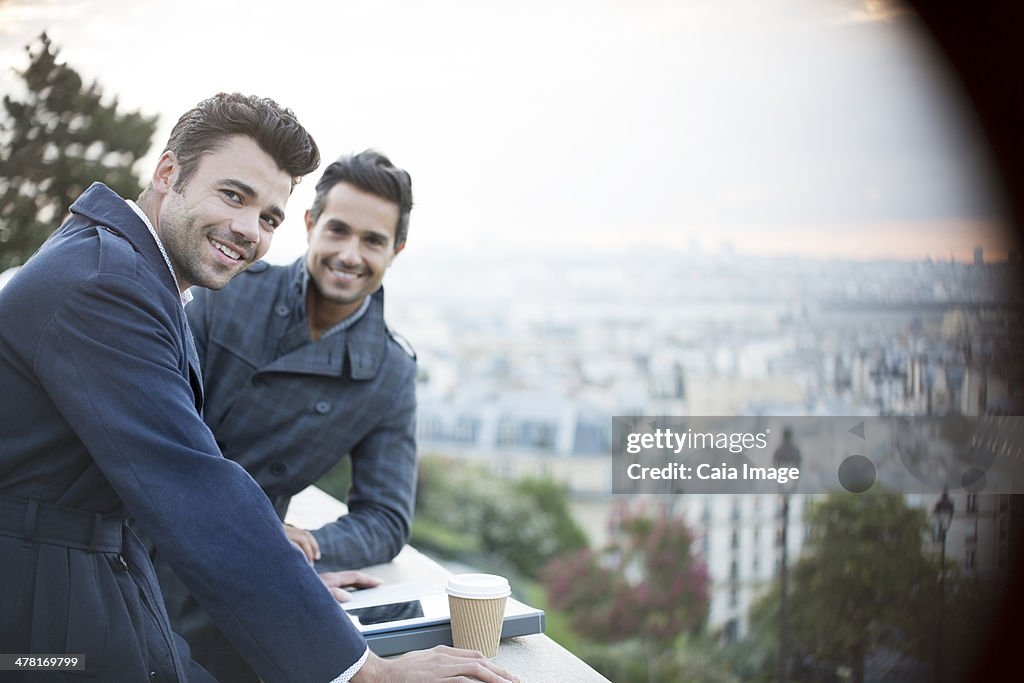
(337, 582)
(304, 541)
(441, 663)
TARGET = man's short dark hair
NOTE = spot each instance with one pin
(369, 171)
(275, 129)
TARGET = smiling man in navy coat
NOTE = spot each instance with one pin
(100, 423)
(300, 371)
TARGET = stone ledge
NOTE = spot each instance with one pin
(534, 658)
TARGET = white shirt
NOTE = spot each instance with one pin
(352, 670)
(186, 296)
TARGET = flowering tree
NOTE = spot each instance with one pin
(645, 584)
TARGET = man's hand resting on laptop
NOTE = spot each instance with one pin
(441, 663)
(304, 541)
(337, 582)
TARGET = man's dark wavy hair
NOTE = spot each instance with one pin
(209, 124)
(369, 171)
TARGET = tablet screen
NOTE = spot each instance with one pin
(396, 611)
(374, 611)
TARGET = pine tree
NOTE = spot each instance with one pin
(54, 143)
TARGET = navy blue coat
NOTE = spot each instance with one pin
(99, 412)
(288, 408)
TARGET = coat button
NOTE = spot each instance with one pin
(322, 407)
(256, 381)
(278, 469)
(281, 310)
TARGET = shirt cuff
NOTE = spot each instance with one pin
(347, 675)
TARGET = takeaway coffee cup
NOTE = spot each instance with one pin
(477, 606)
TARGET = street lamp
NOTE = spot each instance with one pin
(786, 455)
(943, 513)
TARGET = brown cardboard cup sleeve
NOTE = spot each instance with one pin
(477, 605)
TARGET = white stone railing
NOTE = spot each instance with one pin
(534, 658)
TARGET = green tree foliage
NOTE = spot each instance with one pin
(867, 588)
(56, 141)
(863, 585)
(644, 585)
(462, 508)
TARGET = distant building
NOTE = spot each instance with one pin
(739, 537)
(527, 385)
(519, 423)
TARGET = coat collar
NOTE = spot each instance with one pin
(105, 207)
(363, 345)
(102, 205)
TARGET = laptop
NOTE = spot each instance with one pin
(400, 617)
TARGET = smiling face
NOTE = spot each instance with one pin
(351, 246)
(225, 215)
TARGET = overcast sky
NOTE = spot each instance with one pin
(820, 127)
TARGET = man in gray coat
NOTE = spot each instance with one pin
(100, 432)
(301, 371)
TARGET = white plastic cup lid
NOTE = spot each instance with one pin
(478, 586)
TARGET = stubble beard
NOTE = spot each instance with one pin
(187, 243)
